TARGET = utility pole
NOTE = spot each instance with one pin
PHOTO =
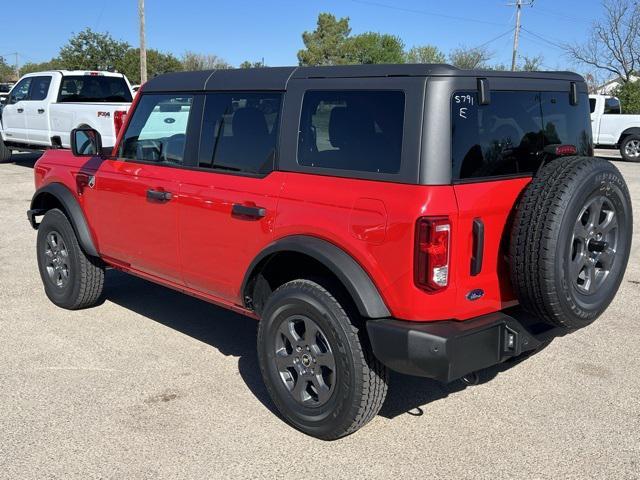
(16, 65)
(143, 46)
(516, 32)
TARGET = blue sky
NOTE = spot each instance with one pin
(240, 30)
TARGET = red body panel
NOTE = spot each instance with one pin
(195, 244)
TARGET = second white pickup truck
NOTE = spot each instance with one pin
(44, 107)
(612, 128)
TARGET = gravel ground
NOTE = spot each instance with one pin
(154, 384)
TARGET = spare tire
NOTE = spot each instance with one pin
(570, 240)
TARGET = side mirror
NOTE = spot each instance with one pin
(86, 142)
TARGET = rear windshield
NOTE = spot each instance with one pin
(507, 136)
(94, 88)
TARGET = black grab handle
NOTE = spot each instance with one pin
(478, 246)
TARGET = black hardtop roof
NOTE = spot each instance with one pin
(276, 78)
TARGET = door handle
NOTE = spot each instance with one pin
(248, 211)
(159, 195)
(478, 246)
(41, 110)
(19, 110)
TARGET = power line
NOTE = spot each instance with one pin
(545, 12)
(495, 38)
(424, 12)
(546, 40)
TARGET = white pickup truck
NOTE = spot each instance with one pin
(612, 128)
(44, 107)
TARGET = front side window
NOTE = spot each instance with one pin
(508, 136)
(21, 90)
(240, 132)
(40, 88)
(157, 130)
(94, 88)
(352, 130)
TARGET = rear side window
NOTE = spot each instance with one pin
(612, 106)
(94, 88)
(352, 130)
(157, 130)
(592, 105)
(240, 131)
(507, 137)
(39, 88)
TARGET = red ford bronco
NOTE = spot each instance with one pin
(420, 218)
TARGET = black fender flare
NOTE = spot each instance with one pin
(72, 209)
(354, 278)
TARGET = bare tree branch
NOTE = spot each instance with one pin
(614, 42)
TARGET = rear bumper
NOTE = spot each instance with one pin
(447, 350)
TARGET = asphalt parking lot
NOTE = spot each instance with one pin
(155, 384)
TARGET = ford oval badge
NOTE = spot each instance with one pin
(169, 120)
(475, 294)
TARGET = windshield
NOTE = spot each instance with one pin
(94, 88)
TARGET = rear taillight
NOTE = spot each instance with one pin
(431, 256)
(118, 120)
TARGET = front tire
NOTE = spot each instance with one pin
(5, 152)
(630, 148)
(71, 279)
(316, 362)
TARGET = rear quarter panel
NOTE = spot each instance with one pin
(99, 116)
(374, 222)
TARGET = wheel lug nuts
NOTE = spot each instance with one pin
(308, 348)
(298, 348)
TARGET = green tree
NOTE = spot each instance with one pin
(157, 64)
(470, 58)
(7, 72)
(89, 50)
(326, 44)
(31, 67)
(197, 61)
(250, 64)
(425, 54)
(374, 47)
(629, 95)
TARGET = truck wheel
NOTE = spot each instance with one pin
(570, 240)
(5, 152)
(316, 363)
(630, 148)
(71, 279)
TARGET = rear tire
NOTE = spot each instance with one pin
(316, 362)
(71, 279)
(630, 148)
(570, 241)
(5, 152)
